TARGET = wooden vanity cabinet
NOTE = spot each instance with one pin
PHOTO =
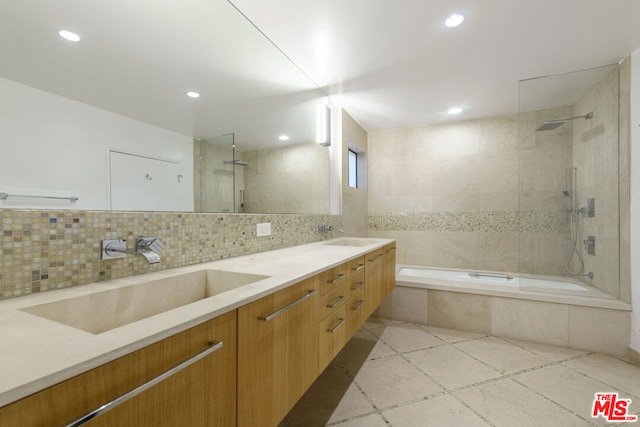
(388, 270)
(373, 289)
(277, 353)
(202, 394)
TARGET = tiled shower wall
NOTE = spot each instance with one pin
(450, 195)
(46, 250)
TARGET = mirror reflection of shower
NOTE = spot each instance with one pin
(553, 124)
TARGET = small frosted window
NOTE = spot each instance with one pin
(353, 169)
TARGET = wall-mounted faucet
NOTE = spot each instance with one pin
(148, 247)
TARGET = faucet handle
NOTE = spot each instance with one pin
(150, 243)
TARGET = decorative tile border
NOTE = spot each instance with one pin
(533, 222)
(46, 250)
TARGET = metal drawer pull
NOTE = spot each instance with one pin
(216, 345)
(337, 279)
(376, 258)
(287, 307)
(391, 250)
(359, 267)
(336, 302)
(335, 328)
(357, 306)
(358, 286)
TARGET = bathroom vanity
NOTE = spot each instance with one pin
(232, 342)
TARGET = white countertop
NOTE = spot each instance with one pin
(36, 353)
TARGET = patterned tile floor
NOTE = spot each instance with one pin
(401, 374)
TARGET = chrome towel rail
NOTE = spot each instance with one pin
(495, 275)
(215, 345)
(5, 196)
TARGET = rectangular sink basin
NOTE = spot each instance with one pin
(351, 242)
(102, 311)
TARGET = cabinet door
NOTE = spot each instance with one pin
(373, 281)
(333, 336)
(389, 270)
(277, 353)
(202, 394)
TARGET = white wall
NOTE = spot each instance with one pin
(51, 145)
(635, 200)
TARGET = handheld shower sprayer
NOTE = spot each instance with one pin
(567, 200)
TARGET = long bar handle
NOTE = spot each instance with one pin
(5, 196)
(359, 267)
(337, 279)
(376, 258)
(335, 328)
(357, 306)
(215, 345)
(358, 286)
(391, 250)
(287, 307)
(336, 302)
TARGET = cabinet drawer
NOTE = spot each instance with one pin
(356, 284)
(355, 267)
(333, 300)
(332, 278)
(333, 334)
(355, 314)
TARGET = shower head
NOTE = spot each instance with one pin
(552, 124)
(567, 200)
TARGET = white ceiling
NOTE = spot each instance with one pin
(390, 64)
(394, 64)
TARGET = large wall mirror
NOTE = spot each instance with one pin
(107, 119)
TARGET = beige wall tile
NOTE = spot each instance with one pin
(405, 304)
(540, 322)
(598, 329)
(465, 312)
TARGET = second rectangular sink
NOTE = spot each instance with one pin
(102, 311)
(351, 241)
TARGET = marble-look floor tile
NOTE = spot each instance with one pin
(450, 367)
(451, 335)
(373, 420)
(439, 411)
(549, 352)
(568, 388)
(407, 337)
(621, 375)
(507, 403)
(393, 380)
(376, 322)
(500, 355)
(362, 347)
(332, 397)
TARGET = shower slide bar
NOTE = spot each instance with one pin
(494, 275)
(5, 196)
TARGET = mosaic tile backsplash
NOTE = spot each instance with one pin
(46, 250)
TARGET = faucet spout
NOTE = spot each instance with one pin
(152, 257)
(148, 247)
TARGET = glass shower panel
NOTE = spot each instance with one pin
(216, 175)
(568, 182)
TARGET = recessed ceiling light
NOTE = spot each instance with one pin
(193, 94)
(454, 110)
(283, 137)
(454, 20)
(68, 35)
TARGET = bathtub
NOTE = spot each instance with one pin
(549, 310)
(541, 288)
